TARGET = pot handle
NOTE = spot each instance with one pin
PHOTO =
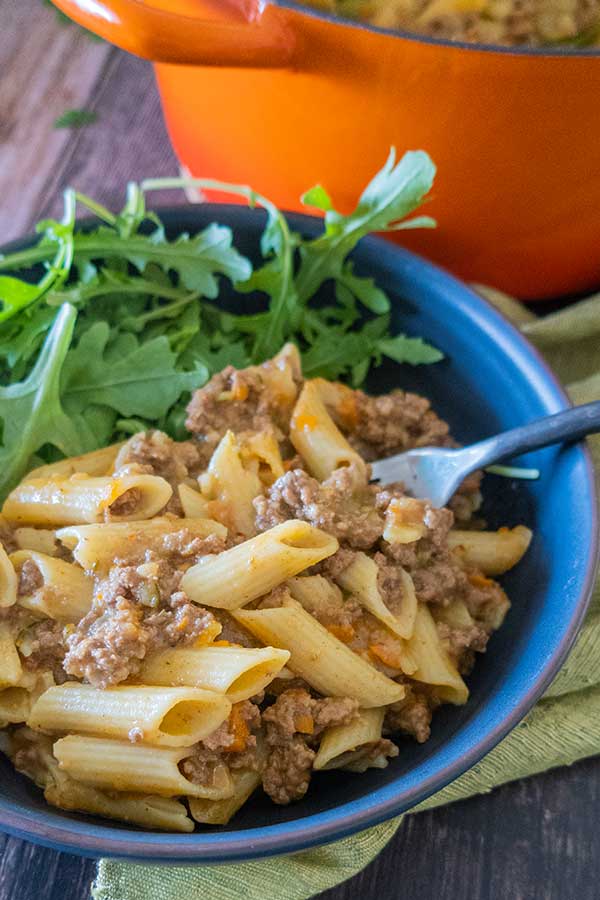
(256, 37)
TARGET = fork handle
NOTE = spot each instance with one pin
(570, 425)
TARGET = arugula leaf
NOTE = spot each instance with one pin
(76, 118)
(132, 378)
(391, 195)
(31, 410)
(413, 350)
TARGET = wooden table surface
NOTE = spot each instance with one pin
(531, 840)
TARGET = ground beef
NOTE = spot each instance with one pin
(394, 422)
(234, 633)
(126, 504)
(295, 707)
(219, 747)
(441, 580)
(246, 400)
(225, 736)
(343, 505)
(154, 453)
(373, 755)
(287, 772)
(109, 643)
(201, 766)
(172, 460)
(334, 565)
(457, 640)
(46, 649)
(412, 715)
(485, 600)
(30, 578)
(293, 721)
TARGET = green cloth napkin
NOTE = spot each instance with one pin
(562, 728)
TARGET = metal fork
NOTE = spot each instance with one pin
(434, 473)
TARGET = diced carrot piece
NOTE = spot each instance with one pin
(343, 633)
(304, 724)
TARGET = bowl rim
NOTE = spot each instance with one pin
(89, 839)
(547, 51)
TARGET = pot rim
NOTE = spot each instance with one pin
(548, 51)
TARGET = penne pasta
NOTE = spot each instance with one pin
(317, 438)
(219, 812)
(15, 705)
(10, 663)
(360, 579)
(235, 577)
(194, 505)
(82, 499)
(43, 540)
(260, 451)
(315, 593)
(123, 766)
(434, 665)
(342, 745)
(322, 660)
(230, 487)
(98, 462)
(8, 580)
(493, 552)
(145, 810)
(59, 590)
(404, 521)
(237, 672)
(95, 547)
(166, 716)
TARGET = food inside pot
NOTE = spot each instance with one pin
(573, 23)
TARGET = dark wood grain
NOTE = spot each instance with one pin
(533, 840)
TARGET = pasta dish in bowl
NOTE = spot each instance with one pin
(186, 621)
(232, 624)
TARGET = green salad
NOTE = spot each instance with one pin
(121, 323)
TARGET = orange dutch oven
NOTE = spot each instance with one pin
(282, 96)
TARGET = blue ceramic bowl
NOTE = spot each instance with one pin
(490, 379)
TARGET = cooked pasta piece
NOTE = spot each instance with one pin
(237, 576)
(80, 499)
(194, 505)
(97, 546)
(15, 705)
(8, 580)
(456, 615)
(231, 487)
(315, 593)
(237, 672)
(260, 451)
(322, 660)
(98, 462)
(343, 745)
(317, 438)
(166, 716)
(360, 579)
(434, 665)
(123, 766)
(494, 552)
(404, 521)
(59, 590)
(145, 810)
(43, 540)
(10, 664)
(219, 812)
